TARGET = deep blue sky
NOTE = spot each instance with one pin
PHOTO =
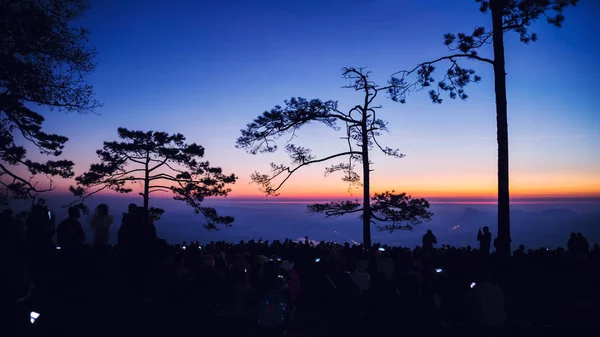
(206, 68)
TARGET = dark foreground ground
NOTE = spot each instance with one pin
(165, 292)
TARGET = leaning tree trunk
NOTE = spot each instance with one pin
(503, 247)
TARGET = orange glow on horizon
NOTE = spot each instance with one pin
(521, 188)
(460, 187)
(446, 195)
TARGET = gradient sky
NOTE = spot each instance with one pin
(205, 69)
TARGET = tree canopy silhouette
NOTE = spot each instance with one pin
(506, 16)
(362, 129)
(43, 62)
(160, 162)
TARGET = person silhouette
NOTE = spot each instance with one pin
(572, 244)
(16, 282)
(485, 239)
(40, 228)
(428, 241)
(40, 233)
(69, 234)
(131, 209)
(583, 244)
(100, 224)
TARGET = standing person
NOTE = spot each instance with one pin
(583, 244)
(292, 279)
(485, 240)
(69, 234)
(15, 283)
(127, 230)
(572, 245)
(130, 214)
(274, 312)
(428, 241)
(40, 233)
(100, 224)
(486, 306)
(360, 276)
(40, 229)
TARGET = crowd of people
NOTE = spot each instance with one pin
(56, 284)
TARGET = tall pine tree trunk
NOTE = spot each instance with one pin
(503, 247)
(147, 183)
(146, 192)
(366, 173)
(366, 191)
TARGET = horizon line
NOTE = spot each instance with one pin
(543, 199)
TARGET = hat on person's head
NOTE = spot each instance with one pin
(287, 265)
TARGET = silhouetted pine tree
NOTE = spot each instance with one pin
(363, 127)
(161, 163)
(506, 16)
(43, 63)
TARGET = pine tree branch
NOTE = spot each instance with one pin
(28, 185)
(265, 180)
(448, 57)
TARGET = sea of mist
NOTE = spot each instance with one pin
(534, 224)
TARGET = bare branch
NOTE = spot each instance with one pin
(29, 186)
(458, 77)
(165, 189)
(163, 162)
(83, 194)
(260, 135)
(265, 181)
(443, 58)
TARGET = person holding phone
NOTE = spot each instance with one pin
(428, 241)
